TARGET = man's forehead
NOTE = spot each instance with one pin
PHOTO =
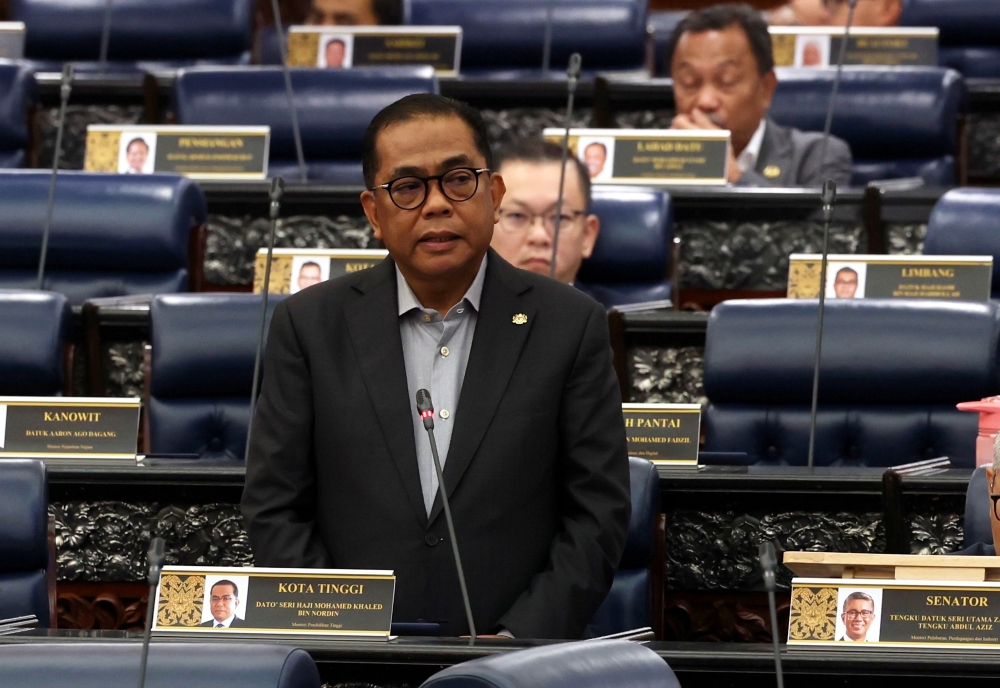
(530, 181)
(399, 146)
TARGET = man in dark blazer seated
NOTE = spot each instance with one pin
(722, 65)
(528, 412)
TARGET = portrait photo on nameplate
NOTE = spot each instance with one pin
(343, 47)
(649, 156)
(817, 47)
(199, 152)
(267, 601)
(858, 276)
(104, 428)
(666, 434)
(842, 612)
(294, 269)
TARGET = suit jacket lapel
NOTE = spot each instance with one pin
(776, 150)
(496, 348)
(373, 323)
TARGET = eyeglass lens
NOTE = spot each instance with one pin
(457, 185)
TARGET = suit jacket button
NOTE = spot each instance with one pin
(431, 539)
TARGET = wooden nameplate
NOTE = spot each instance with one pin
(892, 566)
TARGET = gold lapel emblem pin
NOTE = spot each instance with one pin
(772, 171)
(519, 319)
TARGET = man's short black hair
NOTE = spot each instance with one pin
(599, 144)
(719, 17)
(858, 595)
(137, 140)
(309, 264)
(852, 270)
(413, 107)
(540, 150)
(236, 590)
(389, 12)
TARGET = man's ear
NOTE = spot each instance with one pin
(497, 191)
(769, 82)
(371, 212)
(891, 11)
(591, 228)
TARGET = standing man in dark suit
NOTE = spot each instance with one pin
(529, 422)
(722, 65)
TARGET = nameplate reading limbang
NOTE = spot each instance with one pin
(294, 269)
(343, 47)
(819, 46)
(848, 276)
(263, 601)
(649, 156)
(666, 434)
(199, 152)
(68, 427)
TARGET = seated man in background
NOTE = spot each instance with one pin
(722, 65)
(523, 236)
(834, 13)
(355, 12)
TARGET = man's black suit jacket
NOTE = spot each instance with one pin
(537, 471)
(237, 623)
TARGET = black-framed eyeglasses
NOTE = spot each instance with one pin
(409, 193)
(994, 497)
(864, 614)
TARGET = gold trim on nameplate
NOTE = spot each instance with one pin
(102, 150)
(302, 48)
(814, 615)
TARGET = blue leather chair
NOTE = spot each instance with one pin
(18, 94)
(631, 260)
(631, 602)
(970, 33)
(145, 34)
(899, 121)
(498, 37)
(334, 108)
(967, 222)
(201, 372)
(661, 28)
(27, 584)
(33, 334)
(112, 235)
(892, 372)
(192, 665)
(587, 664)
(977, 511)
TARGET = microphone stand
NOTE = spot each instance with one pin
(572, 77)
(768, 561)
(836, 82)
(156, 555)
(296, 133)
(65, 88)
(426, 410)
(277, 189)
(105, 36)
(547, 47)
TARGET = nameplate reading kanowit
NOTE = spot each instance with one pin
(266, 601)
(294, 269)
(650, 156)
(849, 276)
(12, 40)
(69, 427)
(343, 47)
(666, 434)
(199, 152)
(819, 46)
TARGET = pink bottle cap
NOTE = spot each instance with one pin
(988, 410)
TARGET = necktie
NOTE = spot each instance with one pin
(219, 625)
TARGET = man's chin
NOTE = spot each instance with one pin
(542, 267)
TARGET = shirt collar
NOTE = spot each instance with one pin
(408, 300)
(747, 160)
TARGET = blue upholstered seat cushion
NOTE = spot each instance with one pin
(966, 222)
(24, 552)
(18, 93)
(33, 330)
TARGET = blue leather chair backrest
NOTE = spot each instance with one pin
(887, 387)
(111, 234)
(202, 371)
(632, 254)
(662, 25)
(969, 33)
(978, 504)
(334, 107)
(140, 29)
(193, 665)
(892, 114)
(629, 602)
(24, 549)
(609, 34)
(34, 326)
(18, 93)
(967, 222)
(591, 664)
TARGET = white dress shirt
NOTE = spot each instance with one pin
(747, 160)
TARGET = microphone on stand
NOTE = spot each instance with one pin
(572, 77)
(157, 553)
(105, 36)
(296, 133)
(277, 189)
(425, 407)
(65, 88)
(768, 564)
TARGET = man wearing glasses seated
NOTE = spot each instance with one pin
(524, 234)
(529, 424)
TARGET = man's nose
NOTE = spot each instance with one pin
(538, 234)
(708, 99)
(436, 202)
